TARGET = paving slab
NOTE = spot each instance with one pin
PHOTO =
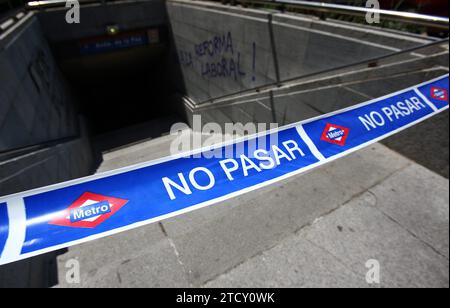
(142, 257)
(295, 263)
(212, 240)
(333, 253)
(359, 232)
(426, 143)
(418, 200)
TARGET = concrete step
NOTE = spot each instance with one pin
(148, 150)
(136, 153)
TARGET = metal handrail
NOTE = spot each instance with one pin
(55, 3)
(11, 19)
(372, 61)
(407, 17)
(32, 5)
(23, 150)
(320, 7)
(398, 16)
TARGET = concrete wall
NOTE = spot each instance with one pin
(234, 37)
(301, 100)
(35, 103)
(36, 110)
(224, 49)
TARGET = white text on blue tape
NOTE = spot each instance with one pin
(62, 215)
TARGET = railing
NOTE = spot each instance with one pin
(11, 19)
(32, 5)
(329, 8)
(373, 62)
(20, 151)
(57, 3)
(404, 17)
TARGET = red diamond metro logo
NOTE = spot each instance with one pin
(335, 134)
(89, 211)
(439, 94)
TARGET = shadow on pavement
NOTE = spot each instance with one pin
(36, 272)
(426, 144)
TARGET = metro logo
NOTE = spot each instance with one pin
(335, 134)
(89, 211)
(439, 94)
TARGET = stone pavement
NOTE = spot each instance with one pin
(314, 230)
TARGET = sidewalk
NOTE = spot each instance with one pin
(313, 230)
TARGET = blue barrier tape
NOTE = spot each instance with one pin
(82, 210)
(4, 226)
